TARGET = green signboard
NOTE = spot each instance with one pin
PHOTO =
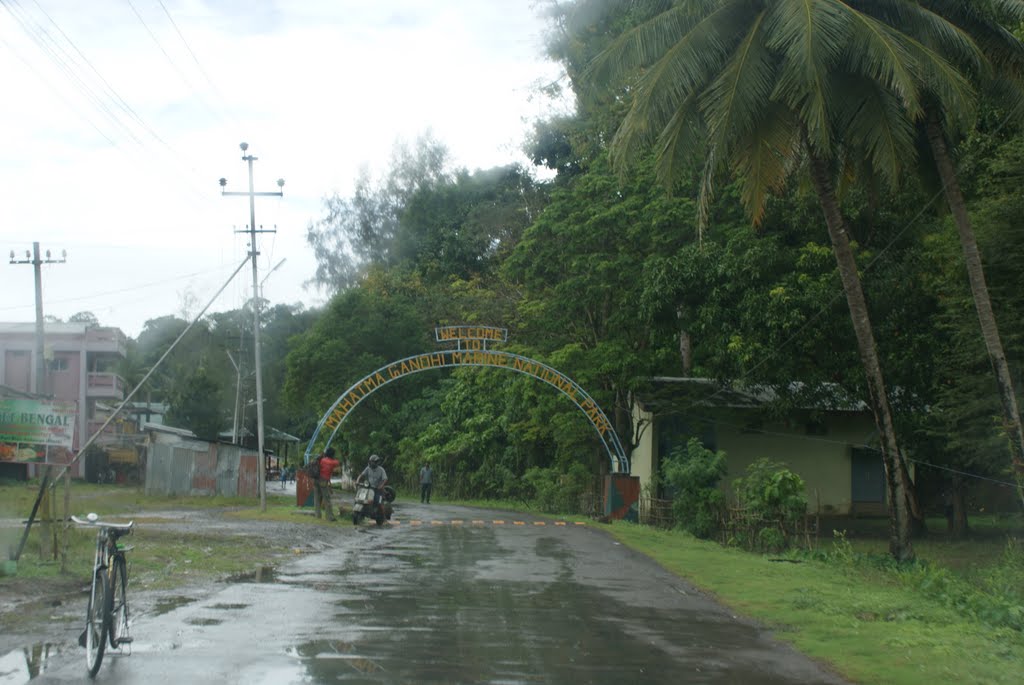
(35, 422)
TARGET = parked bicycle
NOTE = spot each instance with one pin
(106, 617)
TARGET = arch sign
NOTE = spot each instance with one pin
(472, 349)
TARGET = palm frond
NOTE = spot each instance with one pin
(879, 52)
(875, 127)
(707, 190)
(809, 36)
(681, 72)
(679, 143)
(933, 23)
(762, 159)
(733, 101)
(945, 83)
(645, 44)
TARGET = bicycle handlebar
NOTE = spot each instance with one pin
(94, 521)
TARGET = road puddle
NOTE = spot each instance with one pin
(169, 604)
(262, 574)
(204, 621)
(26, 663)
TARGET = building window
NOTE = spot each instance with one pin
(59, 364)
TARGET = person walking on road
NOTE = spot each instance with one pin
(328, 465)
(426, 483)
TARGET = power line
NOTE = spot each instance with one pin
(66, 64)
(126, 289)
(56, 92)
(49, 46)
(110, 89)
(173, 64)
(199, 66)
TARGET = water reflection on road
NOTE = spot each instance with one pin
(446, 602)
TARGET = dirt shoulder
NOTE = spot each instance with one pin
(40, 611)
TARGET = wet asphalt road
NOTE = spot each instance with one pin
(462, 596)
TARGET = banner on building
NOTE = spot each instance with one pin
(26, 424)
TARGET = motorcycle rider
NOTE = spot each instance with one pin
(375, 477)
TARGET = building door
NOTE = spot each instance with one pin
(867, 476)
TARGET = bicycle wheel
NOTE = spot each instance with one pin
(118, 602)
(96, 622)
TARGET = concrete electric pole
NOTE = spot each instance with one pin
(262, 471)
(39, 384)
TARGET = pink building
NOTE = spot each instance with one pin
(81, 362)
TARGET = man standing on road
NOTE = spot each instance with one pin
(328, 465)
(426, 483)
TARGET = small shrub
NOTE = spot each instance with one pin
(842, 550)
(771, 540)
(694, 474)
(770, 497)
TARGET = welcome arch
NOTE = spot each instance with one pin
(472, 351)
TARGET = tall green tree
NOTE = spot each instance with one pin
(578, 268)
(971, 36)
(361, 230)
(765, 88)
(195, 403)
(964, 420)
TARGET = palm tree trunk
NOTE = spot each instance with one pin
(899, 522)
(982, 302)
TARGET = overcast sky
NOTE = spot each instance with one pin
(119, 117)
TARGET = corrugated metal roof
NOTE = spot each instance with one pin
(709, 392)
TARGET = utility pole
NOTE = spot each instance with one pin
(39, 384)
(261, 471)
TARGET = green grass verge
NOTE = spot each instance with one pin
(863, 621)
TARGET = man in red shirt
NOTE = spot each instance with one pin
(328, 464)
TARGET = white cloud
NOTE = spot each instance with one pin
(112, 148)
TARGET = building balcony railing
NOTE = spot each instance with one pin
(105, 385)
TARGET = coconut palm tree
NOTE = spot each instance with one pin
(997, 61)
(763, 89)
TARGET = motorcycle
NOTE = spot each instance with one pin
(364, 506)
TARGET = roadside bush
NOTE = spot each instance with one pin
(770, 505)
(555, 491)
(693, 474)
(986, 599)
(994, 596)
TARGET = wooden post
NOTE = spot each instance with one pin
(66, 531)
(46, 530)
